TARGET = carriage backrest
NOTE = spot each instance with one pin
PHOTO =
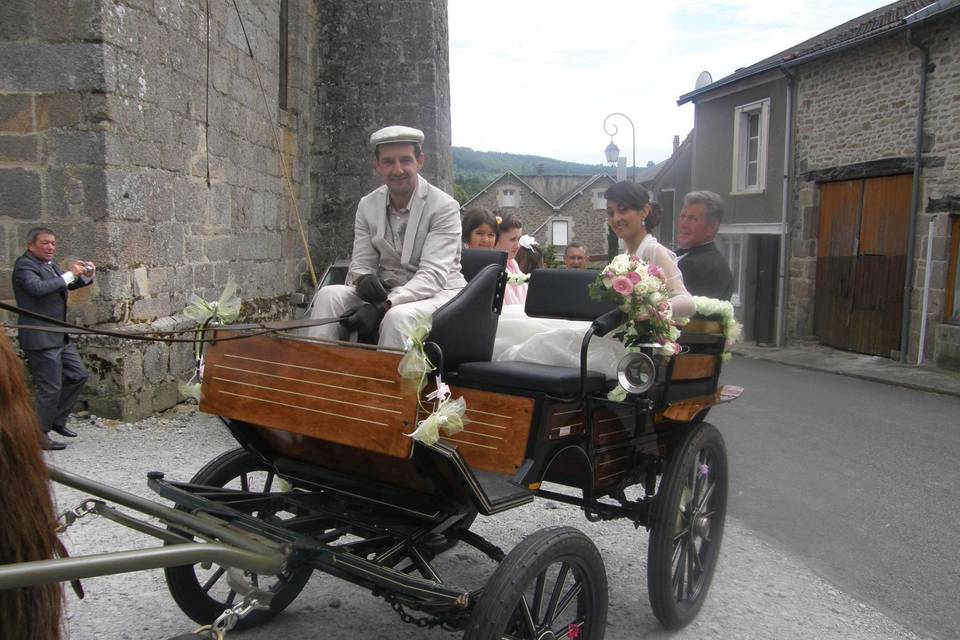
(564, 293)
(465, 327)
(472, 261)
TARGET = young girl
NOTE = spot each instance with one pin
(528, 255)
(510, 229)
(479, 229)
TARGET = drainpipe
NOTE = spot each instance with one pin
(785, 214)
(915, 199)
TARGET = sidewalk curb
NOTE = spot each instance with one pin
(819, 358)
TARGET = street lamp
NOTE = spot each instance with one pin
(613, 151)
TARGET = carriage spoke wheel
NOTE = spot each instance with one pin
(687, 526)
(202, 592)
(551, 586)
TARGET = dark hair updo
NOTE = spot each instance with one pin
(506, 222)
(635, 197)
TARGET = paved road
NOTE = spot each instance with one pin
(860, 480)
(760, 591)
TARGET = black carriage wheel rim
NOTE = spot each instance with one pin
(692, 542)
(542, 620)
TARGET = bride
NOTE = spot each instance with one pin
(557, 342)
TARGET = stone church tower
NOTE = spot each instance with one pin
(146, 136)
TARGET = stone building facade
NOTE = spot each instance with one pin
(146, 135)
(856, 115)
(574, 204)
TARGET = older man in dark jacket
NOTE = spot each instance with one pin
(705, 270)
(40, 286)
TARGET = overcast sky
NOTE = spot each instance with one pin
(539, 76)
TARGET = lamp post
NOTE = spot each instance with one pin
(613, 151)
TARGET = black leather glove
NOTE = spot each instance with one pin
(370, 289)
(365, 319)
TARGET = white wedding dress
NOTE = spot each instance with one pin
(557, 342)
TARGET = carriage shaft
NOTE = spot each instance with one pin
(28, 574)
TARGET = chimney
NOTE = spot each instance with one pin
(621, 169)
(676, 143)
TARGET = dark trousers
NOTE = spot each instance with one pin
(59, 376)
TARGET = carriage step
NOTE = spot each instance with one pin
(500, 489)
(492, 492)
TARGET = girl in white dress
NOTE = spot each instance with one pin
(557, 342)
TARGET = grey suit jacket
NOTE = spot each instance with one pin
(430, 257)
(38, 287)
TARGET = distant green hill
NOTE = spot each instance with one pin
(473, 170)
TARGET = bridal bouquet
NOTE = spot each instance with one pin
(639, 290)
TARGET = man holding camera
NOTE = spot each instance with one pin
(406, 250)
(58, 373)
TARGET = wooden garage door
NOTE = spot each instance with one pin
(861, 258)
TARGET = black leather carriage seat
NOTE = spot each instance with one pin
(527, 376)
(465, 327)
(551, 293)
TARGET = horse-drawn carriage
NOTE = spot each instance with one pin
(328, 478)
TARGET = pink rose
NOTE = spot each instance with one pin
(634, 277)
(655, 271)
(609, 275)
(623, 286)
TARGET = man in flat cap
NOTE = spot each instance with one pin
(406, 250)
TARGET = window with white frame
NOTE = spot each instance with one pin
(508, 197)
(731, 246)
(558, 233)
(599, 201)
(750, 135)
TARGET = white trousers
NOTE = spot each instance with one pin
(334, 300)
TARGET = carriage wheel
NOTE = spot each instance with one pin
(203, 594)
(687, 526)
(550, 586)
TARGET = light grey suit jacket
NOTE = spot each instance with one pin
(430, 258)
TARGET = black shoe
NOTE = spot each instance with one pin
(65, 431)
(51, 445)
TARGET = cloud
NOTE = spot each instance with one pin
(538, 76)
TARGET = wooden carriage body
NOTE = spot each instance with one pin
(344, 409)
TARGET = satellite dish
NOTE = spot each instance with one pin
(703, 80)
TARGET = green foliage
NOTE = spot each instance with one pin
(550, 259)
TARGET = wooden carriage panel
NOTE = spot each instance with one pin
(347, 395)
(565, 420)
(612, 422)
(496, 434)
(693, 366)
(612, 465)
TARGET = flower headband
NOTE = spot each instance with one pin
(528, 242)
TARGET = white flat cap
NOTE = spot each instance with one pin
(396, 133)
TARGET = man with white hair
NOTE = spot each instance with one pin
(705, 270)
(406, 249)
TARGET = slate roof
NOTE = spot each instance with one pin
(879, 22)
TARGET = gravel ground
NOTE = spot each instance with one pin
(758, 591)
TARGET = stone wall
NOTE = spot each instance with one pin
(167, 177)
(859, 107)
(378, 64)
(148, 146)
